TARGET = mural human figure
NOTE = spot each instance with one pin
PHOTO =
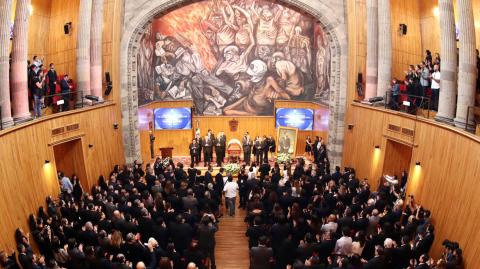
(260, 99)
(244, 34)
(226, 33)
(322, 69)
(299, 52)
(286, 23)
(289, 78)
(145, 65)
(266, 31)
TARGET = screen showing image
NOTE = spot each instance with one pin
(145, 116)
(178, 118)
(300, 118)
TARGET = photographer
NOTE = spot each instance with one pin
(206, 237)
(38, 92)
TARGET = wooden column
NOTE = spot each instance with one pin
(83, 50)
(384, 47)
(448, 70)
(372, 49)
(467, 72)
(5, 13)
(19, 78)
(96, 49)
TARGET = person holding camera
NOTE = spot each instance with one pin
(38, 91)
(206, 237)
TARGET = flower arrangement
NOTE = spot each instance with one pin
(166, 162)
(283, 158)
(232, 168)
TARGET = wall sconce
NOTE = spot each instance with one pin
(90, 145)
(350, 126)
(115, 126)
(377, 147)
(417, 163)
(47, 161)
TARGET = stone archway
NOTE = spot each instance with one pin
(331, 14)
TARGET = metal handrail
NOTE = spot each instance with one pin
(423, 101)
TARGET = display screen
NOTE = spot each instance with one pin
(145, 117)
(178, 118)
(300, 118)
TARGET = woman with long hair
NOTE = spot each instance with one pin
(308, 147)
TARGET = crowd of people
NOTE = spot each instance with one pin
(299, 215)
(422, 83)
(44, 83)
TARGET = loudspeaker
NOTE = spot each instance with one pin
(67, 27)
(109, 87)
(403, 29)
(360, 84)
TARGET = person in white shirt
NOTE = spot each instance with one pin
(435, 86)
(230, 189)
(344, 244)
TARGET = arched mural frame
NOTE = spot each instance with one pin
(331, 15)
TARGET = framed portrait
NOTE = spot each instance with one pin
(287, 140)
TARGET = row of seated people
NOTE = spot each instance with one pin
(316, 220)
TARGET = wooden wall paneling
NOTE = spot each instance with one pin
(24, 151)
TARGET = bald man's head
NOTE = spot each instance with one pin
(192, 265)
(141, 265)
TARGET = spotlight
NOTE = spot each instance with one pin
(47, 161)
(90, 145)
(417, 163)
(377, 146)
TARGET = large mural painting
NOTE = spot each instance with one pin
(233, 57)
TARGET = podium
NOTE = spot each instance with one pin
(166, 152)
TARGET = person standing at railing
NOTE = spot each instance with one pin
(38, 92)
(52, 83)
(435, 86)
(65, 88)
(395, 94)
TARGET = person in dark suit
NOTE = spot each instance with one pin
(261, 256)
(223, 144)
(206, 237)
(65, 88)
(378, 262)
(402, 254)
(315, 149)
(271, 145)
(219, 184)
(52, 83)
(207, 149)
(199, 141)
(266, 148)
(218, 150)
(247, 148)
(258, 150)
(25, 259)
(152, 144)
(193, 147)
(181, 233)
(208, 175)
